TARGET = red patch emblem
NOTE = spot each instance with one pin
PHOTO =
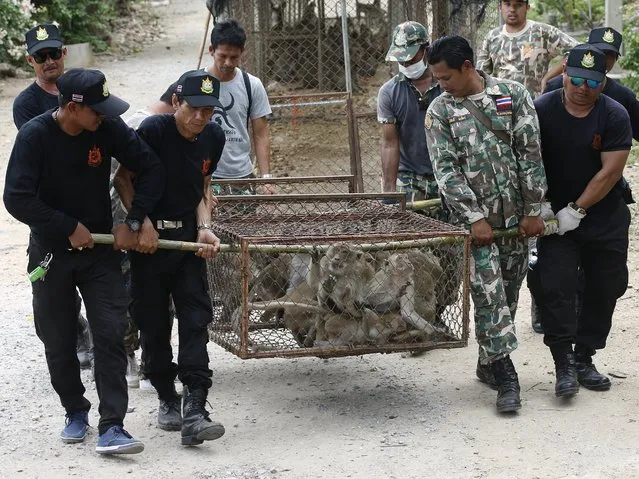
(206, 164)
(596, 142)
(95, 156)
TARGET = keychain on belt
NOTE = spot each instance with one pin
(40, 272)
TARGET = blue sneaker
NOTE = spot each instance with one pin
(117, 441)
(76, 427)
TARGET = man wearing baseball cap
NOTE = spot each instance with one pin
(189, 146)
(58, 183)
(586, 138)
(45, 54)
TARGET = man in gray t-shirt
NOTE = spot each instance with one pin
(241, 108)
(401, 109)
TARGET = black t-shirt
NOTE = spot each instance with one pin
(571, 147)
(31, 102)
(618, 92)
(186, 164)
(55, 180)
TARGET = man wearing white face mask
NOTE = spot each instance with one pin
(401, 109)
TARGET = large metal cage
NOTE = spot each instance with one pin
(335, 275)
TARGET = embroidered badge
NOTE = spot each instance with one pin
(504, 105)
(588, 60)
(77, 98)
(609, 37)
(95, 156)
(41, 34)
(493, 90)
(207, 86)
(178, 89)
(596, 142)
(105, 89)
(428, 122)
(206, 164)
(526, 51)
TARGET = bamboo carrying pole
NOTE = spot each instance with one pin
(550, 228)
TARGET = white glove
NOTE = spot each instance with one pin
(546, 211)
(569, 219)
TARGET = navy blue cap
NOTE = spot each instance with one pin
(586, 61)
(199, 89)
(42, 36)
(605, 38)
(89, 87)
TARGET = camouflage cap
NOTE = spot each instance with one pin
(407, 38)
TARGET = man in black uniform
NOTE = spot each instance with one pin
(586, 138)
(58, 183)
(189, 145)
(46, 55)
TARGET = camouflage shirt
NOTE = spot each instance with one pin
(523, 56)
(479, 174)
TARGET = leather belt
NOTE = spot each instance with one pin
(168, 224)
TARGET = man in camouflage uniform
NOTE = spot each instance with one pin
(490, 178)
(521, 49)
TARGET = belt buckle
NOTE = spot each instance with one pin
(168, 224)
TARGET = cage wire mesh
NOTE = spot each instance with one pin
(335, 275)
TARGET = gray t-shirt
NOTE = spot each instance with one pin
(398, 104)
(236, 161)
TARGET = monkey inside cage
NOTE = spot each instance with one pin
(334, 275)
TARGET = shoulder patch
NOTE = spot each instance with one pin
(428, 122)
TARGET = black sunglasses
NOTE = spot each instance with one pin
(41, 56)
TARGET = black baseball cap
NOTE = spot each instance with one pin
(586, 61)
(42, 36)
(605, 38)
(89, 87)
(199, 89)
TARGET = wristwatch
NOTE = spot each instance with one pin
(134, 225)
(573, 206)
(267, 175)
(203, 226)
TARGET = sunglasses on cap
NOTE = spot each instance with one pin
(592, 84)
(41, 56)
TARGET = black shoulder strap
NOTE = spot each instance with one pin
(249, 94)
(481, 116)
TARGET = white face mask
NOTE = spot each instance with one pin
(413, 71)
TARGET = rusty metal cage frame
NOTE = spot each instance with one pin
(246, 244)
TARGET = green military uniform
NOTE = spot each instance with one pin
(482, 177)
(523, 56)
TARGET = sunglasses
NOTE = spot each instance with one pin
(41, 57)
(592, 84)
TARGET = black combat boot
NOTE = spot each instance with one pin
(507, 385)
(485, 375)
(587, 373)
(197, 427)
(169, 413)
(566, 372)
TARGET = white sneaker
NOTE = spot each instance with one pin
(132, 378)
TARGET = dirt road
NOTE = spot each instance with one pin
(366, 417)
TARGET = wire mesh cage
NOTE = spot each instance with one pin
(335, 275)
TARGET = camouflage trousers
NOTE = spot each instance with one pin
(417, 188)
(496, 274)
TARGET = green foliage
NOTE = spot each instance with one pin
(630, 58)
(82, 20)
(15, 20)
(574, 14)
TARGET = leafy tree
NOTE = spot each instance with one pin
(574, 14)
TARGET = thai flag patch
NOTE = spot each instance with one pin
(504, 105)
